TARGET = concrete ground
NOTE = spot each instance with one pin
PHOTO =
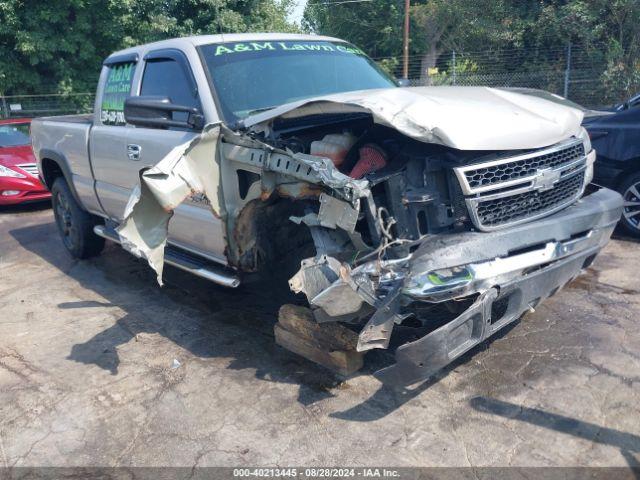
(101, 367)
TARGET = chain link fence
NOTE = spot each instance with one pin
(17, 106)
(579, 73)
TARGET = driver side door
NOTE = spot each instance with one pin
(167, 73)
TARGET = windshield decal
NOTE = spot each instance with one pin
(231, 48)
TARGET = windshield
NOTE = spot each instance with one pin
(14, 134)
(252, 76)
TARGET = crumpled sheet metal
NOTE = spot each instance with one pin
(185, 170)
(315, 275)
(466, 118)
(333, 214)
(191, 168)
(336, 213)
(287, 165)
(330, 175)
(339, 291)
(327, 284)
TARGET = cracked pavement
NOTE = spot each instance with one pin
(86, 377)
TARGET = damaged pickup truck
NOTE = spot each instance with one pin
(425, 219)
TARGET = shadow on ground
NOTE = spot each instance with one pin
(628, 443)
(25, 207)
(207, 320)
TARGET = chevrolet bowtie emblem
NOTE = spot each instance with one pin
(545, 179)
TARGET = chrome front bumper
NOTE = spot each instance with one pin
(514, 268)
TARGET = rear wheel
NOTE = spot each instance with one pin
(630, 190)
(74, 224)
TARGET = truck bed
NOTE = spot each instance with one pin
(65, 139)
(69, 133)
(85, 118)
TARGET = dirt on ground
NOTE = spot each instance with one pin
(99, 366)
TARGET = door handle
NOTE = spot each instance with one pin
(133, 152)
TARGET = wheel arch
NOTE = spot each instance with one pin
(263, 229)
(53, 165)
(632, 168)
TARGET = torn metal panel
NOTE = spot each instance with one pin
(330, 242)
(377, 332)
(285, 175)
(336, 213)
(338, 299)
(191, 169)
(465, 118)
(422, 358)
(315, 275)
(298, 166)
(340, 293)
(329, 285)
(186, 170)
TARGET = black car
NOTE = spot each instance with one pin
(616, 138)
(631, 103)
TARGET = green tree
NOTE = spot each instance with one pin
(441, 25)
(375, 26)
(605, 33)
(58, 46)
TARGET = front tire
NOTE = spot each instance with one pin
(75, 225)
(630, 191)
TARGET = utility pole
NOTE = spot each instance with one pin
(453, 61)
(567, 72)
(405, 46)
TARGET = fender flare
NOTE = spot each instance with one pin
(61, 161)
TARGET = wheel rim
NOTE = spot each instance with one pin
(65, 222)
(631, 206)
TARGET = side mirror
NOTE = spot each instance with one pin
(403, 82)
(155, 111)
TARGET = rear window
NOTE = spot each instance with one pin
(14, 134)
(116, 90)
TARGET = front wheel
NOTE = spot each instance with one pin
(630, 190)
(75, 225)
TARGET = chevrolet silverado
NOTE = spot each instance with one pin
(425, 218)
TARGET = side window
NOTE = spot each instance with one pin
(167, 78)
(116, 89)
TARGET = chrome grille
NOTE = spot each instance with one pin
(511, 170)
(526, 205)
(30, 168)
(517, 189)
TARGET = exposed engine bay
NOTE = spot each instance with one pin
(407, 194)
(413, 189)
(385, 232)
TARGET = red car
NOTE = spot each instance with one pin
(19, 181)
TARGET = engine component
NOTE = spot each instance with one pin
(372, 158)
(334, 146)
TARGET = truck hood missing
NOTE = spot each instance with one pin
(464, 118)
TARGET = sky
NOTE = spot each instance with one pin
(296, 14)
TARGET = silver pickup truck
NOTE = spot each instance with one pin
(425, 219)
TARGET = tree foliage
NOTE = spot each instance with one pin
(58, 46)
(608, 30)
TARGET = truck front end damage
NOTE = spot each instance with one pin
(424, 240)
(453, 292)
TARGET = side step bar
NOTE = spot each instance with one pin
(183, 260)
